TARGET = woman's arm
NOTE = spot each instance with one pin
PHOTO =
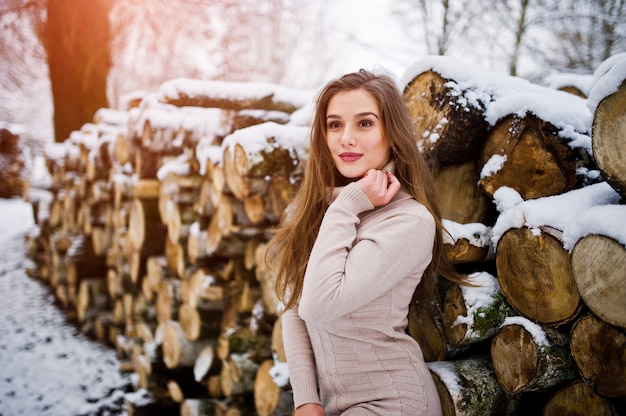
(344, 274)
(300, 360)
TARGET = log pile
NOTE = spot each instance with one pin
(12, 163)
(527, 207)
(155, 237)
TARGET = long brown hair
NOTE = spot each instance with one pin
(291, 245)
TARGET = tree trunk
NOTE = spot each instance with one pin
(599, 351)
(527, 357)
(599, 264)
(77, 38)
(608, 138)
(536, 276)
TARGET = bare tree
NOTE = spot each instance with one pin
(268, 40)
(523, 37)
(77, 38)
(157, 40)
(440, 25)
(585, 34)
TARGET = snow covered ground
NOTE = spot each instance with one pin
(47, 367)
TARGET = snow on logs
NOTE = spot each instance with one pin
(173, 200)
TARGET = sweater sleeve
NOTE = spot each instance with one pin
(343, 274)
(302, 374)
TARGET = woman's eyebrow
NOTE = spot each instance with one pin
(367, 113)
(363, 114)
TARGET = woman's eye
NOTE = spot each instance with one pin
(366, 123)
(334, 125)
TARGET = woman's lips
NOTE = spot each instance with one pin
(350, 157)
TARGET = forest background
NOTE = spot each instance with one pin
(64, 59)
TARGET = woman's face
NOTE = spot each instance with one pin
(354, 133)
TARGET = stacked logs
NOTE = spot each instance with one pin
(157, 230)
(543, 329)
(155, 234)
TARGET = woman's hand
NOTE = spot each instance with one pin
(379, 186)
(310, 409)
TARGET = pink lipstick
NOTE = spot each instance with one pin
(350, 157)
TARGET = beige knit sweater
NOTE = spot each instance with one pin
(345, 341)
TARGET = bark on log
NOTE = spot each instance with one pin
(536, 277)
(599, 265)
(448, 130)
(468, 387)
(532, 158)
(599, 351)
(608, 138)
(527, 357)
(473, 314)
(577, 399)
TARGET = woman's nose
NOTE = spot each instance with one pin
(347, 137)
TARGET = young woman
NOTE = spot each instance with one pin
(361, 234)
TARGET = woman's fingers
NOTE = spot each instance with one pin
(379, 186)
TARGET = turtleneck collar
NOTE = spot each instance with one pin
(389, 167)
